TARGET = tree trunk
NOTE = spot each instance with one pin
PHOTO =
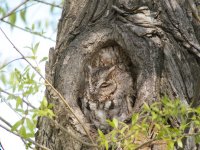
(113, 55)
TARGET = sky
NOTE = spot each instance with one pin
(22, 39)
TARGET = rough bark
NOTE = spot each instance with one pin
(160, 39)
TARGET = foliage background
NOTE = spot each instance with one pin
(32, 17)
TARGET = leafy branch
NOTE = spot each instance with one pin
(15, 96)
(154, 125)
(28, 139)
(29, 31)
(14, 9)
(61, 98)
(4, 65)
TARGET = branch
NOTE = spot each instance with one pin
(145, 144)
(25, 7)
(10, 106)
(61, 98)
(72, 135)
(54, 5)
(27, 103)
(8, 124)
(154, 140)
(62, 128)
(28, 139)
(1, 146)
(35, 33)
(13, 10)
(9, 63)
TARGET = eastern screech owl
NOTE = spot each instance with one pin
(108, 90)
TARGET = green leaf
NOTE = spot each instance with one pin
(197, 110)
(154, 115)
(30, 124)
(52, 8)
(26, 112)
(2, 11)
(179, 142)
(16, 125)
(170, 145)
(113, 136)
(12, 78)
(28, 145)
(30, 135)
(50, 113)
(44, 112)
(23, 15)
(106, 144)
(35, 48)
(134, 118)
(12, 18)
(115, 122)
(22, 131)
(3, 78)
(33, 26)
(44, 103)
(46, 23)
(27, 28)
(146, 107)
(197, 139)
(43, 59)
(111, 123)
(102, 136)
(32, 57)
(33, 76)
(50, 106)
(19, 102)
(124, 129)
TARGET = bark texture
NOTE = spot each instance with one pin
(159, 40)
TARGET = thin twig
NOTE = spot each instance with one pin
(25, 7)
(46, 3)
(35, 33)
(28, 139)
(126, 137)
(6, 122)
(73, 136)
(27, 103)
(61, 98)
(145, 144)
(10, 106)
(1, 146)
(4, 65)
(61, 127)
(14, 9)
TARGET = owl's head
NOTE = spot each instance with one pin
(101, 83)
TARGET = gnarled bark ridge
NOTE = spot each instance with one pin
(154, 44)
